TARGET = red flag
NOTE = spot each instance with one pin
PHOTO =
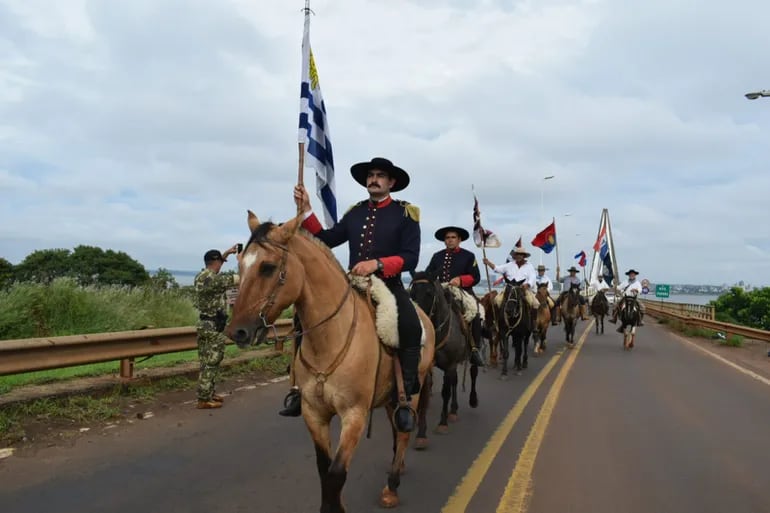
(602, 233)
(546, 239)
(582, 257)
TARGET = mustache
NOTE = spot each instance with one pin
(373, 184)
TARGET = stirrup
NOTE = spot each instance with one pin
(292, 404)
(409, 423)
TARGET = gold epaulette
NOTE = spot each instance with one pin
(354, 205)
(413, 211)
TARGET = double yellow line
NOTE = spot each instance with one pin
(516, 491)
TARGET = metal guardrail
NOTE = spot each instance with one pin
(727, 328)
(34, 354)
(686, 309)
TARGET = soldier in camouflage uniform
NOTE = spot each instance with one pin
(210, 287)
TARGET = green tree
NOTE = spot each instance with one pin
(163, 280)
(87, 264)
(6, 273)
(44, 265)
(120, 269)
(744, 308)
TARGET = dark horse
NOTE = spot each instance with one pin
(570, 311)
(489, 328)
(514, 321)
(452, 347)
(600, 307)
(629, 315)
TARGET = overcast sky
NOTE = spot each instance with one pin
(151, 126)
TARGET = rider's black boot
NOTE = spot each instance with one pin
(553, 317)
(410, 363)
(292, 404)
(476, 334)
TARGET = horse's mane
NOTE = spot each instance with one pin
(260, 236)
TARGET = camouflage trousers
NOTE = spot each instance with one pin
(211, 351)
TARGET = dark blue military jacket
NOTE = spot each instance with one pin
(448, 264)
(385, 230)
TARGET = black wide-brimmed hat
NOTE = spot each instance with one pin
(573, 269)
(461, 232)
(631, 271)
(360, 170)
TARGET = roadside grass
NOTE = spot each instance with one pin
(694, 331)
(17, 419)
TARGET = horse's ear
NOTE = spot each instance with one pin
(289, 228)
(252, 221)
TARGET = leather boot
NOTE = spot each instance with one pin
(410, 363)
(208, 405)
(218, 398)
(476, 334)
(292, 404)
(554, 322)
(583, 309)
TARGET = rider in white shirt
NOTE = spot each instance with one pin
(600, 284)
(519, 270)
(543, 278)
(629, 288)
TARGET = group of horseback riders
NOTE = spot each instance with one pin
(383, 237)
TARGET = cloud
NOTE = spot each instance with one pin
(151, 126)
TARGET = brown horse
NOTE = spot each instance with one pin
(543, 319)
(600, 307)
(342, 367)
(569, 304)
(490, 329)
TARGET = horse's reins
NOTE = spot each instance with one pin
(274, 294)
(443, 323)
(321, 376)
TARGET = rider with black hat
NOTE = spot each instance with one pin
(383, 237)
(457, 267)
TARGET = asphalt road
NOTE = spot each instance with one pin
(596, 429)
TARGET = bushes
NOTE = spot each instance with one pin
(64, 308)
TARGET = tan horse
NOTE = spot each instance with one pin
(543, 319)
(342, 367)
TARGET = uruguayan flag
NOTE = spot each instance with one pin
(314, 131)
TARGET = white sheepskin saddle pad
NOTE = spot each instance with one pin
(386, 313)
(469, 303)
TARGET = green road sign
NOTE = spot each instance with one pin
(662, 290)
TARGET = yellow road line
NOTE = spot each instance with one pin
(516, 495)
(472, 479)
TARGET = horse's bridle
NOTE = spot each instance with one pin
(281, 279)
(433, 304)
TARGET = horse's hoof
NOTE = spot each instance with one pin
(504, 377)
(420, 444)
(388, 498)
(452, 417)
(518, 373)
(442, 429)
(474, 402)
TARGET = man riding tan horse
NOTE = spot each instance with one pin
(566, 284)
(542, 280)
(457, 268)
(383, 237)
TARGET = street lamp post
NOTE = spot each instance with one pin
(542, 205)
(764, 93)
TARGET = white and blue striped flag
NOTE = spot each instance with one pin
(314, 130)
